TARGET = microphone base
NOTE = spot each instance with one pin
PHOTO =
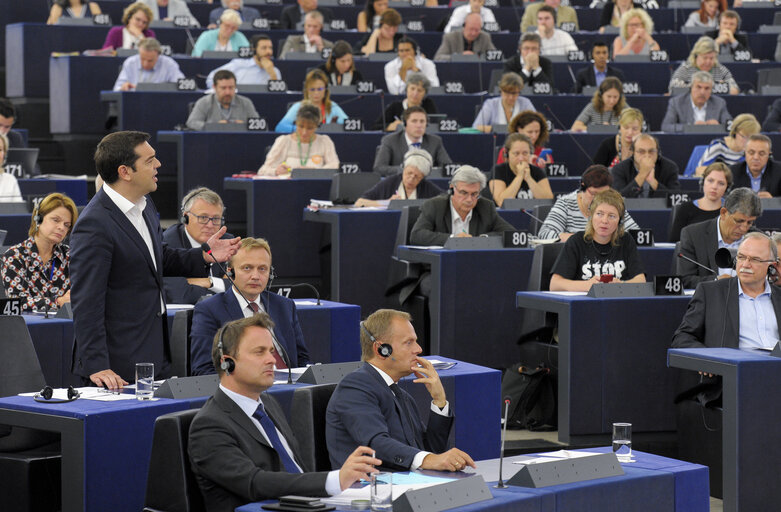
(501, 485)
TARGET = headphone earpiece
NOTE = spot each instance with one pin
(185, 218)
(45, 395)
(230, 273)
(227, 363)
(384, 350)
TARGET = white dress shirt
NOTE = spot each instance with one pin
(558, 44)
(459, 226)
(460, 13)
(398, 86)
(699, 112)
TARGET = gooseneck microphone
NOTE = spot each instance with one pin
(277, 345)
(566, 130)
(681, 255)
(524, 210)
(500, 484)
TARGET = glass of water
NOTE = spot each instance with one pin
(622, 441)
(145, 381)
(382, 492)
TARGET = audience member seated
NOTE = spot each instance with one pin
(612, 11)
(535, 126)
(223, 106)
(417, 88)
(302, 149)
(257, 70)
(701, 240)
(732, 148)
(469, 40)
(698, 106)
(772, 122)
(716, 180)
(71, 9)
(201, 216)
(411, 183)
(528, 63)
(7, 120)
(37, 268)
(291, 16)
(311, 41)
(394, 146)
(617, 148)
(708, 14)
(409, 60)
(225, 38)
(647, 173)
(516, 177)
(758, 172)
(605, 107)
(147, 66)
(340, 66)
(570, 212)
(635, 37)
(462, 212)
(135, 27)
(9, 187)
(252, 271)
(241, 448)
(167, 10)
(554, 40)
(316, 92)
(456, 20)
(703, 57)
(594, 74)
(603, 253)
(563, 14)
(369, 408)
(501, 110)
(385, 38)
(726, 36)
(246, 14)
(369, 18)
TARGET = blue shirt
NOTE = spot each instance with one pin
(247, 71)
(755, 182)
(600, 75)
(166, 70)
(758, 323)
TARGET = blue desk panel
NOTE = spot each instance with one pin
(17, 225)
(75, 189)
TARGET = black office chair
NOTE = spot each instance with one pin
(538, 325)
(180, 343)
(674, 263)
(699, 439)
(347, 188)
(307, 419)
(676, 210)
(170, 483)
(541, 211)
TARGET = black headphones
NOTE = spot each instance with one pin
(44, 396)
(184, 218)
(227, 363)
(385, 350)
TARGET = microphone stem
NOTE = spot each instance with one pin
(501, 484)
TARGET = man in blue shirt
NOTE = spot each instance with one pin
(257, 70)
(758, 172)
(148, 66)
(592, 76)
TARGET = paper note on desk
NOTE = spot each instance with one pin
(305, 302)
(441, 365)
(425, 247)
(363, 493)
(557, 455)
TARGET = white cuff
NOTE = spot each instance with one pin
(417, 461)
(332, 484)
(445, 411)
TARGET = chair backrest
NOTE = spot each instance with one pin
(307, 419)
(534, 321)
(493, 81)
(170, 483)
(20, 370)
(676, 210)
(768, 76)
(778, 49)
(676, 259)
(347, 188)
(694, 159)
(541, 211)
(409, 216)
(180, 343)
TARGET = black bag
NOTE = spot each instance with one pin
(532, 394)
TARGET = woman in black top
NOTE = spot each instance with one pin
(716, 180)
(417, 89)
(618, 147)
(384, 39)
(517, 177)
(340, 66)
(411, 183)
(601, 253)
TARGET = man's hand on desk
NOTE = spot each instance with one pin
(358, 465)
(463, 235)
(452, 460)
(108, 379)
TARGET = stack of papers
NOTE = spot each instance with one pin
(402, 482)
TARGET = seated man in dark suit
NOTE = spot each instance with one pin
(369, 408)
(252, 273)
(241, 448)
(291, 16)
(528, 63)
(592, 76)
(698, 106)
(201, 217)
(701, 241)
(459, 213)
(758, 172)
(726, 36)
(647, 173)
(393, 147)
(7, 120)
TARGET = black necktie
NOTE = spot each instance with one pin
(407, 417)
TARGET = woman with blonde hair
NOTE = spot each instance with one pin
(501, 110)
(635, 36)
(703, 57)
(225, 38)
(605, 107)
(619, 146)
(315, 92)
(135, 27)
(730, 149)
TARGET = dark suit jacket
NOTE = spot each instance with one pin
(291, 15)
(364, 411)
(740, 38)
(771, 179)
(665, 171)
(116, 290)
(434, 224)
(772, 122)
(393, 147)
(234, 464)
(15, 140)
(680, 112)
(211, 314)
(545, 77)
(587, 78)
(453, 42)
(177, 289)
(387, 187)
(699, 242)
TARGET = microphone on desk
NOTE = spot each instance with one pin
(304, 285)
(500, 484)
(283, 353)
(681, 255)
(524, 210)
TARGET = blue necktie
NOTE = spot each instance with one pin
(271, 433)
(416, 145)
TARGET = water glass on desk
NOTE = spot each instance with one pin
(145, 381)
(622, 441)
(382, 491)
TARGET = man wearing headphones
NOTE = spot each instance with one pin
(201, 217)
(647, 173)
(369, 408)
(252, 272)
(408, 61)
(393, 147)
(758, 171)
(241, 448)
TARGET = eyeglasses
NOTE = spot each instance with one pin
(742, 258)
(742, 222)
(642, 152)
(205, 219)
(464, 194)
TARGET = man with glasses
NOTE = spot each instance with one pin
(700, 241)
(201, 217)
(252, 273)
(647, 173)
(758, 171)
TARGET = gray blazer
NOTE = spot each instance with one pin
(297, 44)
(680, 112)
(175, 8)
(699, 242)
(392, 148)
(454, 43)
(207, 110)
(434, 224)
